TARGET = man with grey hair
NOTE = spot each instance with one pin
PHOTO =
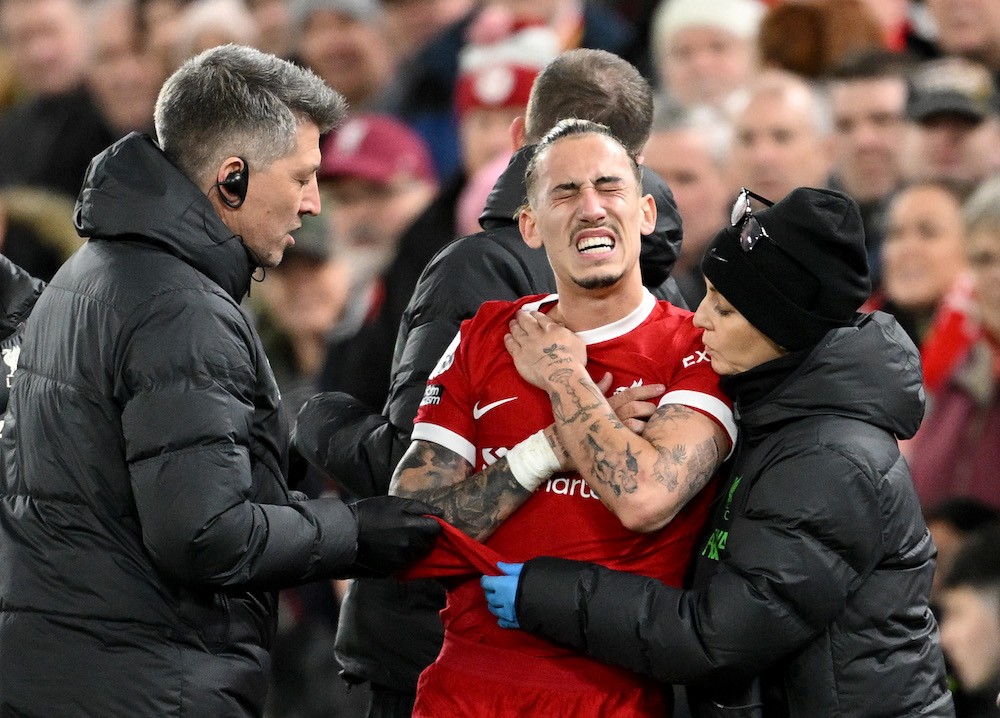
(689, 149)
(781, 136)
(345, 42)
(146, 518)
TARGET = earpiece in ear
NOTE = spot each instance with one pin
(235, 184)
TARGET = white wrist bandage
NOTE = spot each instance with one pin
(532, 461)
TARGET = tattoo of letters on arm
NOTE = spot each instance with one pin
(475, 503)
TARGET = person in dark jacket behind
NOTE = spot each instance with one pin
(146, 519)
(361, 449)
(810, 596)
(18, 293)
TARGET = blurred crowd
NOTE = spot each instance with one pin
(894, 102)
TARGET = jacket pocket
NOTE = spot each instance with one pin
(208, 615)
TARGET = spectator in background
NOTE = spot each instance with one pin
(423, 93)
(923, 255)
(495, 78)
(301, 301)
(48, 43)
(411, 24)
(378, 177)
(810, 38)
(39, 234)
(205, 24)
(122, 74)
(494, 81)
(953, 113)
(781, 136)
(867, 95)
(970, 29)
(704, 52)
(48, 139)
(950, 522)
(957, 450)
(346, 43)
(492, 93)
(160, 19)
(970, 622)
(273, 19)
(690, 151)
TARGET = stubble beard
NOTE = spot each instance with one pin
(600, 282)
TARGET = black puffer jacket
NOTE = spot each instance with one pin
(18, 293)
(819, 563)
(145, 519)
(361, 449)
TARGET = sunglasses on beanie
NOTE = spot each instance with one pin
(742, 216)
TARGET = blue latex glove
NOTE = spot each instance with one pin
(501, 591)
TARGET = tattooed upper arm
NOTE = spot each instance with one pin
(427, 466)
(690, 447)
(476, 503)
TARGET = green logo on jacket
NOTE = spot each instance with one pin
(717, 541)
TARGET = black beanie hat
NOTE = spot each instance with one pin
(807, 277)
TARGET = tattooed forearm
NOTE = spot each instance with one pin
(475, 504)
(616, 471)
(573, 400)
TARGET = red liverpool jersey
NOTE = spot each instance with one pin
(477, 405)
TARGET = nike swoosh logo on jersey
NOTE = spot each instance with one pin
(477, 412)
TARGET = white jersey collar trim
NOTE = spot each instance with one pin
(609, 331)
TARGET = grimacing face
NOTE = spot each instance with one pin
(587, 211)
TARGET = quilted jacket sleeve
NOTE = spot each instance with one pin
(187, 375)
(794, 558)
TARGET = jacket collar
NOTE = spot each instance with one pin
(133, 192)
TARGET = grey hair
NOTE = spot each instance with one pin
(706, 122)
(567, 128)
(235, 100)
(778, 82)
(221, 18)
(982, 209)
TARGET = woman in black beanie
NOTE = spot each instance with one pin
(810, 596)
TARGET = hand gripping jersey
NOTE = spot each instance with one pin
(477, 405)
